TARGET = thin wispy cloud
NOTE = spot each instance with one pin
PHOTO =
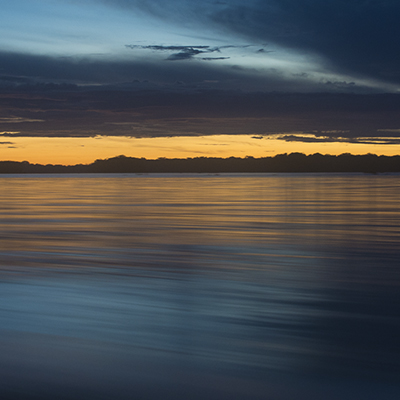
(179, 53)
(215, 58)
(377, 140)
(18, 120)
(9, 134)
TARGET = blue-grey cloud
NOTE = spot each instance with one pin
(38, 72)
(359, 37)
(19, 70)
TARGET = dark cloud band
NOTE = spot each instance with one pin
(110, 111)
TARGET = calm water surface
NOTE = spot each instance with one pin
(267, 286)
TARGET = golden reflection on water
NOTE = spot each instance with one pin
(93, 216)
(263, 272)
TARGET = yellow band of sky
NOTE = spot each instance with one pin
(70, 151)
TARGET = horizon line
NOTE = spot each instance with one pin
(121, 156)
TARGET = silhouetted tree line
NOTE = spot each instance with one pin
(294, 162)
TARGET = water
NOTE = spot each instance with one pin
(242, 286)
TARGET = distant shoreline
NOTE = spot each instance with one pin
(294, 162)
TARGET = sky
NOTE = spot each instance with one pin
(82, 80)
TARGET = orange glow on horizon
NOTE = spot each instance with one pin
(70, 151)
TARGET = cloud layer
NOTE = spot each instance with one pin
(84, 112)
(359, 37)
(281, 45)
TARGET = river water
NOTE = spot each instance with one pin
(178, 286)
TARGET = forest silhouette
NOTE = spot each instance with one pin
(293, 162)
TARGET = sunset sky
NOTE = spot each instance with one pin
(82, 80)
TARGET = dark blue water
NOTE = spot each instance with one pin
(200, 286)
